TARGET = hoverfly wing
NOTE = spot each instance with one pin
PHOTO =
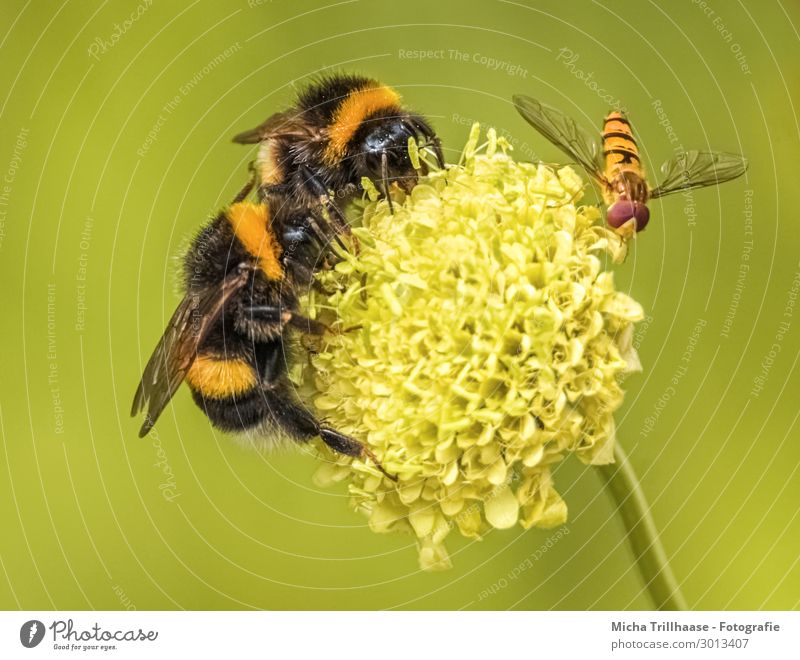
(281, 124)
(563, 132)
(177, 349)
(697, 169)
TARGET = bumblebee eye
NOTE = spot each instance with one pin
(295, 235)
(391, 138)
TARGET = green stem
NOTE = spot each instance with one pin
(643, 536)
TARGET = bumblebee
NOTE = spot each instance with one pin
(619, 171)
(228, 337)
(342, 128)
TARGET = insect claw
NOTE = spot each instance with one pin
(371, 456)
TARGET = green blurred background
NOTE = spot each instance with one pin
(93, 214)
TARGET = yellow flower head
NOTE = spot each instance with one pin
(481, 339)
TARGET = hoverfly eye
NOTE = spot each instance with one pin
(642, 215)
(623, 210)
(620, 212)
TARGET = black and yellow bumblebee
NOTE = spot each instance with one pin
(228, 338)
(341, 129)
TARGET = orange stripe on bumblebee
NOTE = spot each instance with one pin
(352, 111)
(218, 378)
(251, 225)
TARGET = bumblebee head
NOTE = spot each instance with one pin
(380, 148)
(367, 129)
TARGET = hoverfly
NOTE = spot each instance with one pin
(619, 171)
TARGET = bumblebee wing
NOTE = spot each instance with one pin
(177, 349)
(563, 132)
(696, 169)
(281, 124)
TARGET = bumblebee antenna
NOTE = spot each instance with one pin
(385, 180)
(437, 149)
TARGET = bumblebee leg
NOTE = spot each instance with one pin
(270, 362)
(299, 423)
(304, 276)
(385, 181)
(317, 187)
(344, 444)
(308, 326)
(244, 192)
(269, 190)
(321, 236)
(272, 314)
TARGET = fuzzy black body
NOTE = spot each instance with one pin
(215, 252)
(341, 129)
(228, 338)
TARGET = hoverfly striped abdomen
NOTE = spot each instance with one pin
(619, 145)
(627, 192)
